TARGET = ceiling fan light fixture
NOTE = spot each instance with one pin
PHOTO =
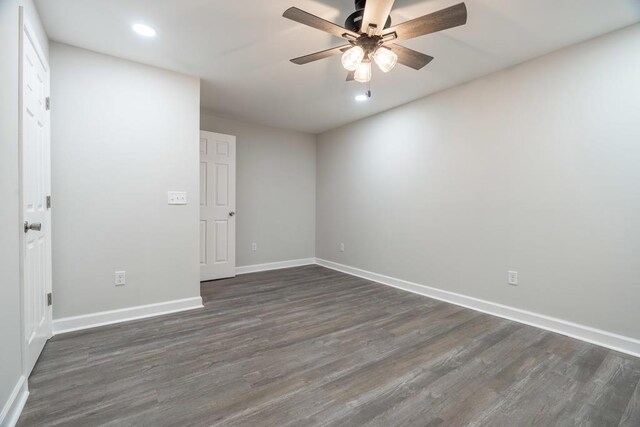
(352, 58)
(364, 46)
(385, 58)
(363, 72)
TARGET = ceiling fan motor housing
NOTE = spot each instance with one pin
(354, 21)
(360, 4)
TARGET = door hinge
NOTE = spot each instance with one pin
(48, 103)
(48, 202)
(49, 298)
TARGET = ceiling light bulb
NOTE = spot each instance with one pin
(144, 30)
(385, 58)
(352, 58)
(363, 72)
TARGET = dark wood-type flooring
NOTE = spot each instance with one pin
(310, 346)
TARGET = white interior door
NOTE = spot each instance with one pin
(36, 187)
(217, 206)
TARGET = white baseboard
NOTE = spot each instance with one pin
(585, 333)
(86, 321)
(13, 407)
(274, 265)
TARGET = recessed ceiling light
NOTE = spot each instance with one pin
(144, 30)
(361, 97)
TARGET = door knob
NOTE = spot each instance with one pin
(36, 226)
(232, 213)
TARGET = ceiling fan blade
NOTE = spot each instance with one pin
(316, 22)
(320, 55)
(351, 76)
(410, 57)
(376, 12)
(441, 20)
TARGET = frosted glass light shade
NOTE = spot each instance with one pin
(144, 30)
(352, 58)
(363, 72)
(385, 58)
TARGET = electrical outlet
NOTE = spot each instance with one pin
(177, 197)
(120, 278)
(254, 247)
(341, 247)
(512, 278)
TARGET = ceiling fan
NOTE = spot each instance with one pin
(371, 37)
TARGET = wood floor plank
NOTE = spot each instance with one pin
(311, 346)
(631, 416)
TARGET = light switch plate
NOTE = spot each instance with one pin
(512, 278)
(177, 197)
(121, 279)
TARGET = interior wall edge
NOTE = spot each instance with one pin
(588, 334)
(112, 164)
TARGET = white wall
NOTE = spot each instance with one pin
(534, 169)
(10, 303)
(275, 188)
(123, 134)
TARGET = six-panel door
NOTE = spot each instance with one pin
(36, 186)
(217, 206)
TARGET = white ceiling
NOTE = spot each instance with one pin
(241, 48)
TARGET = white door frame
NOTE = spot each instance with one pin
(26, 30)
